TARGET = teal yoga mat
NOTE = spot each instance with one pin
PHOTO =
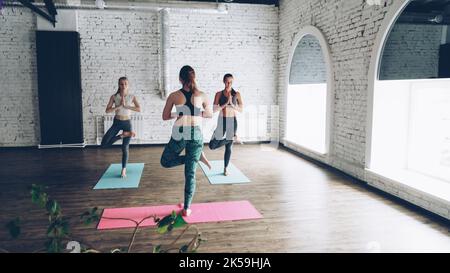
(111, 178)
(215, 175)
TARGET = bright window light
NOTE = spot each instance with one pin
(429, 132)
(306, 116)
(411, 133)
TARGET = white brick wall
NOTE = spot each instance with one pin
(244, 43)
(19, 112)
(116, 43)
(412, 52)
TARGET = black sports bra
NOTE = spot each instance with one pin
(188, 108)
(223, 99)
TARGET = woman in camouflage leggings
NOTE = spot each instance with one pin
(186, 132)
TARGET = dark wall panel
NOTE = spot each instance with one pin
(59, 87)
(444, 61)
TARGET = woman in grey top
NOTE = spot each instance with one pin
(123, 103)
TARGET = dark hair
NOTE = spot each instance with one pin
(118, 83)
(187, 76)
(228, 75)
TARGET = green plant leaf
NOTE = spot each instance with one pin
(157, 249)
(162, 229)
(65, 226)
(52, 207)
(179, 221)
(165, 221)
(87, 221)
(42, 200)
(174, 214)
(90, 216)
(59, 228)
(54, 245)
(38, 196)
(53, 230)
(35, 193)
(14, 227)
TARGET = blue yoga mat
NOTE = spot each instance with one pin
(215, 175)
(111, 178)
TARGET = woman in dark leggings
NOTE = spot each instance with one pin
(122, 101)
(228, 102)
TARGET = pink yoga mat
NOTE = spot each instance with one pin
(201, 213)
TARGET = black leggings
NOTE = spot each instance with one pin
(228, 126)
(111, 136)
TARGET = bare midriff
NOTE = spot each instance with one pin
(120, 117)
(186, 120)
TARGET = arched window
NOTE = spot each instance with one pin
(307, 96)
(409, 134)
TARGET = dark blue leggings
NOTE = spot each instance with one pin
(111, 137)
(227, 126)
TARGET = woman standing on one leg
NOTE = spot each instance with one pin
(228, 102)
(122, 101)
(186, 132)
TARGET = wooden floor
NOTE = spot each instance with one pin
(306, 208)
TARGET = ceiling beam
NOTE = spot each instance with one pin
(50, 18)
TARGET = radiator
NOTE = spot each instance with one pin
(136, 125)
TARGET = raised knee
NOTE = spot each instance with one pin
(164, 163)
(212, 145)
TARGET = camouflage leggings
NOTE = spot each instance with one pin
(191, 139)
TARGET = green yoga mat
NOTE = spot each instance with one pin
(215, 175)
(111, 178)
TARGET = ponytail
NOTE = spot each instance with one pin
(187, 76)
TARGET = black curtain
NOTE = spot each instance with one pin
(444, 61)
(59, 87)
